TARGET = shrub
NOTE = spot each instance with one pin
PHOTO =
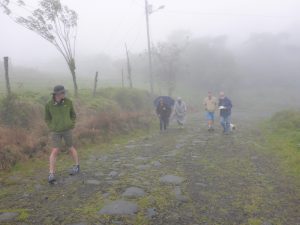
(16, 113)
(23, 132)
(286, 120)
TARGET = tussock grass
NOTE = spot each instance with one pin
(282, 133)
(113, 111)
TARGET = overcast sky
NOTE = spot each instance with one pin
(105, 25)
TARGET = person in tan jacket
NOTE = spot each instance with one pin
(211, 105)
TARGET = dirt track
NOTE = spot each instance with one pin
(214, 179)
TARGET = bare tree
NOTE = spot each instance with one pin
(52, 21)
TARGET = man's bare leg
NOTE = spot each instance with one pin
(74, 155)
(210, 125)
(52, 160)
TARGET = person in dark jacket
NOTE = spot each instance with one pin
(60, 117)
(225, 106)
(164, 112)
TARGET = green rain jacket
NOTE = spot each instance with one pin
(60, 116)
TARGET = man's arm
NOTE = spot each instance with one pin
(72, 114)
(229, 104)
(48, 116)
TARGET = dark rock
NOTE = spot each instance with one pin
(151, 213)
(171, 179)
(93, 182)
(8, 216)
(119, 207)
(133, 192)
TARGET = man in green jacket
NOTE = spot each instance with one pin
(60, 118)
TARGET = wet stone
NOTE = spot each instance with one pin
(171, 179)
(141, 158)
(103, 158)
(115, 222)
(99, 174)
(113, 174)
(156, 164)
(119, 207)
(37, 187)
(171, 153)
(105, 195)
(178, 146)
(146, 145)
(80, 223)
(182, 198)
(143, 167)
(177, 191)
(93, 182)
(201, 184)
(131, 146)
(128, 165)
(151, 213)
(133, 192)
(8, 216)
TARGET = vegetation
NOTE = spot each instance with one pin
(55, 23)
(113, 111)
(283, 139)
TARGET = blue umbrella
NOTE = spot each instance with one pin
(167, 100)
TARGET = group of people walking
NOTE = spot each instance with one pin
(164, 112)
(60, 117)
(211, 104)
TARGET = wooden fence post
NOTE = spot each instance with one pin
(7, 75)
(95, 84)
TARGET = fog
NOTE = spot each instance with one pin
(104, 26)
(223, 44)
(193, 119)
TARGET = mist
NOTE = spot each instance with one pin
(173, 112)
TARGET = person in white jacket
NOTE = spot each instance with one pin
(180, 110)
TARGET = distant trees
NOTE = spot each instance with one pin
(268, 57)
(167, 64)
(52, 21)
(194, 63)
(210, 64)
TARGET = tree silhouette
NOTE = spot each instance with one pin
(52, 21)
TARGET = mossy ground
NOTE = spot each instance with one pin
(228, 180)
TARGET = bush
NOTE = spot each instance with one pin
(286, 120)
(16, 113)
(282, 134)
(113, 111)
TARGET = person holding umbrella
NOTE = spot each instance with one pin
(163, 111)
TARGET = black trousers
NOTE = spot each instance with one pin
(164, 122)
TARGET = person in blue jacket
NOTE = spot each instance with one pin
(225, 106)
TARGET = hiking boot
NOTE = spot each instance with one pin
(75, 170)
(51, 178)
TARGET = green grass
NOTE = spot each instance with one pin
(282, 133)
